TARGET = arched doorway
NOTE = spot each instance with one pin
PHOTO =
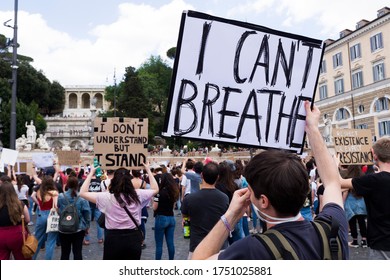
(86, 101)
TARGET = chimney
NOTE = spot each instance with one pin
(345, 32)
(383, 11)
(328, 42)
(361, 23)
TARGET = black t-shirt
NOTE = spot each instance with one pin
(165, 205)
(375, 188)
(205, 208)
(5, 221)
(320, 191)
(94, 186)
(222, 188)
(302, 236)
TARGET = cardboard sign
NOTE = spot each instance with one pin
(69, 158)
(23, 167)
(353, 146)
(121, 142)
(241, 83)
(42, 160)
(9, 156)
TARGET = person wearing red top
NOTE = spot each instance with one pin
(11, 232)
(45, 197)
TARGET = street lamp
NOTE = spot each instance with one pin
(14, 67)
(114, 93)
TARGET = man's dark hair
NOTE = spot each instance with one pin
(198, 167)
(281, 177)
(190, 164)
(210, 173)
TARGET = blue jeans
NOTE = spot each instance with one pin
(306, 213)
(254, 217)
(164, 225)
(237, 234)
(30, 207)
(42, 236)
(245, 226)
(95, 214)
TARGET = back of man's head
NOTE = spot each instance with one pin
(281, 177)
(382, 149)
(198, 167)
(210, 173)
(190, 164)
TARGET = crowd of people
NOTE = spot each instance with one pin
(277, 191)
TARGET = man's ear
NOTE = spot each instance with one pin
(374, 156)
(264, 201)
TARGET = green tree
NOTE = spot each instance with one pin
(171, 53)
(24, 113)
(155, 75)
(131, 100)
(55, 101)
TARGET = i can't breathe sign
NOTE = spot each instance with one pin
(241, 83)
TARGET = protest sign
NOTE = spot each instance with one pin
(121, 142)
(9, 156)
(241, 83)
(353, 146)
(42, 160)
(69, 158)
(23, 167)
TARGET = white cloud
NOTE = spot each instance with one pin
(138, 32)
(257, 6)
(329, 17)
(143, 30)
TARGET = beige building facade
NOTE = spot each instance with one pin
(73, 128)
(353, 88)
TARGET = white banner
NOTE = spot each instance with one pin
(42, 160)
(241, 83)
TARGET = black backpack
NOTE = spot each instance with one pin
(69, 217)
(280, 249)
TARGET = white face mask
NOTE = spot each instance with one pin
(276, 221)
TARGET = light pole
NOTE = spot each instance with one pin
(114, 92)
(14, 67)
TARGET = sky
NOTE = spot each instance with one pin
(84, 42)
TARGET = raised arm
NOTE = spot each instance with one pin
(152, 180)
(84, 193)
(327, 168)
(34, 175)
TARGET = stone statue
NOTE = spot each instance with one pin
(42, 143)
(31, 133)
(166, 151)
(20, 143)
(216, 148)
(327, 133)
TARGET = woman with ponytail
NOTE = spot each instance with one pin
(74, 241)
(122, 237)
(165, 222)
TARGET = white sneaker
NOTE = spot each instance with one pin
(30, 224)
(253, 231)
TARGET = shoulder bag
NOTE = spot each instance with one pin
(30, 244)
(123, 205)
(52, 220)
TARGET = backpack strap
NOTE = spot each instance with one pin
(67, 200)
(277, 245)
(329, 236)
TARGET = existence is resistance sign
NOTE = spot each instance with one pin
(241, 83)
